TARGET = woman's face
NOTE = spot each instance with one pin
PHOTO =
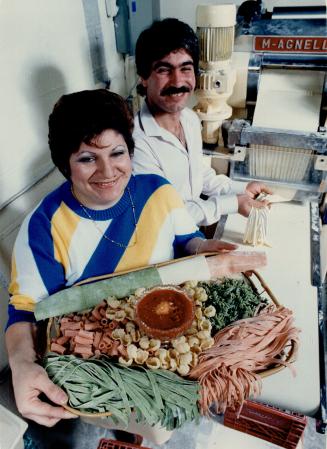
(101, 171)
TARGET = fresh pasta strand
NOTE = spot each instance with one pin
(257, 227)
(228, 372)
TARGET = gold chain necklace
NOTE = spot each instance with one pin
(121, 245)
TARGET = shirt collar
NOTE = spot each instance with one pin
(151, 128)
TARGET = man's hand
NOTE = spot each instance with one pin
(235, 262)
(29, 381)
(245, 204)
(254, 188)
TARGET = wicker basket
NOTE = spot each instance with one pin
(259, 287)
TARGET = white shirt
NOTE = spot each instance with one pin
(159, 151)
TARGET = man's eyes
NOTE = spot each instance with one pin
(165, 70)
(187, 68)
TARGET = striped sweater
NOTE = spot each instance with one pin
(59, 245)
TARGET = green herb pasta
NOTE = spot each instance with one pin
(97, 385)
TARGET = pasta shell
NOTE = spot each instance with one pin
(120, 315)
(178, 340)
(172, 365)
(200, 294)
(191, 331)
(124, 361)
(206, 344)
(196, 349)
(185, 359)
(117, 334)
(195, 360)
(144, 342)
(135, 336)
(173, 353)
(198, 313)
(204, 325)
(193, 340)
(153, 363)
(182, 348)
(154, 345)
(183, 370)
(141, 356)
(203, 335)
(130, 312)
(111, 314)
(131, 351)
(126, 339)
(130, 327)
(132, 300)
(191, 284)
(162, 354)
(209, 311)
(113, 302)
(190, 292)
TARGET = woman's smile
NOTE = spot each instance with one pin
(100, 170)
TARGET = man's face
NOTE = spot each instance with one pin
(171, 82)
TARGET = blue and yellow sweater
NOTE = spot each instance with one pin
(59, 245)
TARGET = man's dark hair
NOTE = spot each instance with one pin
(161, 38)
(80, 117)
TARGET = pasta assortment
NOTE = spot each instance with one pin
(109, 329)
(226, 364)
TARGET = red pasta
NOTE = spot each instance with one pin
(228, 371)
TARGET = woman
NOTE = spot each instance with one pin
(101, 220)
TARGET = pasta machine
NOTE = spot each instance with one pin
(277, 132)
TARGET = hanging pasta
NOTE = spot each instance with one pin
(257, 227)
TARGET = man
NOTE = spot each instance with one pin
(167, 134)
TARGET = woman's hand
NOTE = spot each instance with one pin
(235, 262)
(213, 246)
(198, 246)
(30, 380)
(245, 204)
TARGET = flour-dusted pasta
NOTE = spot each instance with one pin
(257, 227)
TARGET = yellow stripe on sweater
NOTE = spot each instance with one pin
(148, 228)
(62, 241)
(20, 302)
(13, 286)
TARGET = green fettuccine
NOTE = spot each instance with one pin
(97, 385)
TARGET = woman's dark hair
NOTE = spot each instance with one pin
(161, 38)
(80, 117)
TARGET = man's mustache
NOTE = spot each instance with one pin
(175, 90)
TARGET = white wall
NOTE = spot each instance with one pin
(185, 10)
(44, 53)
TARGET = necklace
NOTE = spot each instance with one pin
(121, 245)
